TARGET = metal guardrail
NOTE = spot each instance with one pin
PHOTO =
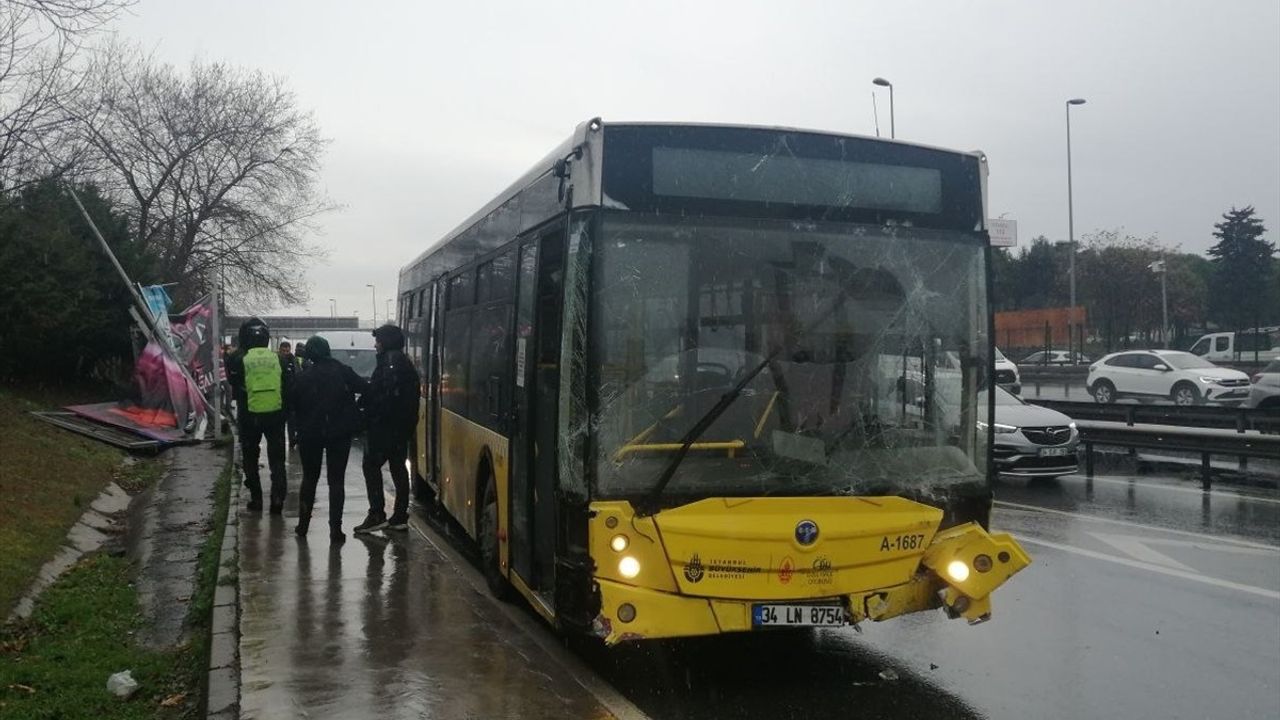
(1200, 416)
(1204, 441)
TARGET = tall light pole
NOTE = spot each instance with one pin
(893, 133)
(1161, 267)
(374, 292)
(1071, 225)
(388, 315)
(333, 307)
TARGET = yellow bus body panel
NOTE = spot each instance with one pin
(463, 444)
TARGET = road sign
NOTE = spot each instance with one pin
(1003, 232)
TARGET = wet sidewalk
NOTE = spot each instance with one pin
(385, 626)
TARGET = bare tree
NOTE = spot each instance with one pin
(39, 40)
(216, 168)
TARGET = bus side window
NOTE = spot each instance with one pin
(453, 379)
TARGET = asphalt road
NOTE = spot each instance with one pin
(1146, 599)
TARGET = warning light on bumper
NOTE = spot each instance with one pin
(957, 571)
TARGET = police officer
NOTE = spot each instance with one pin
(391, 411)
(258, 380)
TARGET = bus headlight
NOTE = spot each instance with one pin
(958, 571)
(619, 543)
(628, 567)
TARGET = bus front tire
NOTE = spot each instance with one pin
(489, 556)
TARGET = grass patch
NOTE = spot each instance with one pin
(48, 477)
(56, 664)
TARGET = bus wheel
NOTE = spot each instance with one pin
(488, 531)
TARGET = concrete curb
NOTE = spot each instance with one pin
(222, 694)
(90, 532)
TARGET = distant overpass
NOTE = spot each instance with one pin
(291, 326)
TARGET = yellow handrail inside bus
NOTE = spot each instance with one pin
(731, 446)
(765, 416)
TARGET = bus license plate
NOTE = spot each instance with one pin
(797, 615)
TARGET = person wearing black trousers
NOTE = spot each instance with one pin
(391, 410)
(323, 400)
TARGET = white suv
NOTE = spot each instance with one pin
(1179, 376)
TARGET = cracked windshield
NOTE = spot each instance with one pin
(595, 361)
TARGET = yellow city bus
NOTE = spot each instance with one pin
(683, 380)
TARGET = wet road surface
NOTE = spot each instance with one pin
(1147, 598)
(384, 627)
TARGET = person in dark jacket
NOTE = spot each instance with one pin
(289, 363)
(261, 387)
(323, 400)
(391, 413)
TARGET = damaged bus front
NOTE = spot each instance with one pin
(787, 336)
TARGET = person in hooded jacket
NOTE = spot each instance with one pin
(391, 414)
(323, 400)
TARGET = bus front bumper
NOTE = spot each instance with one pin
(958, 572)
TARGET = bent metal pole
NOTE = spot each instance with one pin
(145, 311)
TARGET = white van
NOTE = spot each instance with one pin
(1226, 346)
(353, 348)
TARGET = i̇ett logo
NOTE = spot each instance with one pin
(806, 532)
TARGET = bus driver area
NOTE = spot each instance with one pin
(740, 564)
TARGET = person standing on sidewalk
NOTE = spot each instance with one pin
(323, 400)
(391, 411)
(259, 383)
(289, 364)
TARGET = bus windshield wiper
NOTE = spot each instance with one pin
(650, 503)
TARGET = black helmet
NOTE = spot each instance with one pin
(392, 337)
(254, 333)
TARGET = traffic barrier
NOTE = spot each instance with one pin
(1199, 416)
(1204, 441)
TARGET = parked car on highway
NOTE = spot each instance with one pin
(1007, 375)
(1032, 441)
(1184, 378)
(1265, 390)
(1054, 357)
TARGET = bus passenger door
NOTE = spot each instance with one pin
(533, 439)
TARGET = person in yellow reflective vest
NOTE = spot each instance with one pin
(261, 386)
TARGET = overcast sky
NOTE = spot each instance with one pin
(433, 108)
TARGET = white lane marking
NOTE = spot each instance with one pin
(1176, 488)
(1139, 526)
(1136, 548)
(1174, 572)
(612, 700)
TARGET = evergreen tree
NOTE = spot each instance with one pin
(1243, 287)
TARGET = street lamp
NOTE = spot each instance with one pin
(374, 292)
(333, 307)
(1160, 267)
(1071, 226)
(893, 133)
